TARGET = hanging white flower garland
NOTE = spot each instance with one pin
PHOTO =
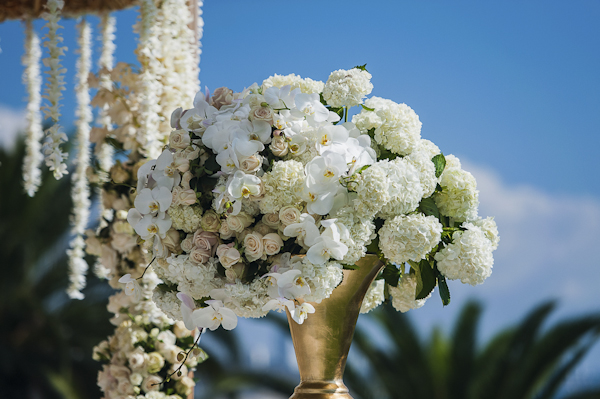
(103, 151)
(32, 174)
(80, 190)
(55, 158)
(148, 135)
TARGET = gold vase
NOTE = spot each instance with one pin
(322, 342)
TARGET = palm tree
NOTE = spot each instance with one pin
(522, 362)
(46, 340)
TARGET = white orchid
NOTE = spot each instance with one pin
(309, 106)
(214, 315)
(332, 138)
(323, 172)
(328, 244)
(257, 130)
(198, 118)
(165, 172)
(281, 98)
(300, 313)
(306, 230)
(279, 305)
(244, 186)
(144, 175)
(148, 226)
(187, 308)
(154, 202)
(292, 285)
(318, 201)
(132, 287)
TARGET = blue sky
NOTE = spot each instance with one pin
(512, 88)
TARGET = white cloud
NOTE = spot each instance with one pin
(12, 122)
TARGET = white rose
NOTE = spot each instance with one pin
(262, 113)
(262, 228)
(225, 232)
(210, 221)
(272, 243)
(185, 386)
(289, 215)
(118, 174)
(136, 379)
(228, 256)
(188, 243)
(180, 330)
(271, 220)
(151, 383)
(185, 180)
(171, 240)
(253, 246)
(239, 222)
(155, 362)
(221, 96)
(183, 197)
(250, 164)
(199, 256)
(179, 139)
(136, 360)
(279, 146)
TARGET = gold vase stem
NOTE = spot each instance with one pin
(322, 342)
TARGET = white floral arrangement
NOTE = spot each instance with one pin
(261, 198)
(150, 355)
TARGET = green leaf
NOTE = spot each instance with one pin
(361, 67)
(211, 164)
(350, 267)
(438, 187)
(440, 163)
(391, 274)
(443, 288)
(425, 279)
(367, 108)
(428, 207)
(373, 247)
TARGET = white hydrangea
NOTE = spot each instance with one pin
(306, 85)
(247, 300)
(283, 185)
(186, 218)
(403, 296)
(374, 297)
(361, 233)
(168, 302)
(468, 258)
(367, 120)
(322, 279)
(488, 226)
(420, 158)
(397, 126)
(373, 190)
(405, 188)
(452, 162)
(459, 197)
(410, 237)
(191, 278)
(347, 87)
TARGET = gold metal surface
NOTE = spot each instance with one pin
(322, 342)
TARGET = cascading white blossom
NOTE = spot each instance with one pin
(54, 156)
(31, 77)
(103, 151)
(149, 134)
(80, 190)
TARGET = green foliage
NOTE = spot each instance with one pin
(440, 163)
(429, 208)
(525, 361)
(46, 340)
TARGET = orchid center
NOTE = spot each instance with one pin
(328, 173)
(325, 140)
(153, 206)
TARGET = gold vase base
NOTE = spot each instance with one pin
(321, 390)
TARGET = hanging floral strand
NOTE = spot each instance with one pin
(148, 135)
(103, 151)
(55, 158)
(32, 80)
(80, 191)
